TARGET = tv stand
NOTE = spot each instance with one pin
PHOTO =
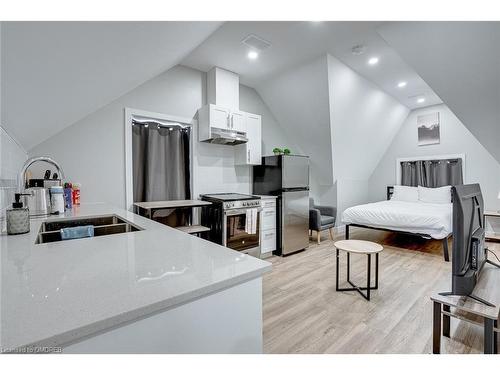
(472, 296)
(486, 313)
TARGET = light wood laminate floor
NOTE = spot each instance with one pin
(304, 314)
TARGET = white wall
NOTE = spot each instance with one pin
(299, 100)
(92, 150)
(464, 69)
(364, 120)
(12, 158)
(480, 165)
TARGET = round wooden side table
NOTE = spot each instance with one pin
(358, 247)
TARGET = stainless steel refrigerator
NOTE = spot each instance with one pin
(287, 177)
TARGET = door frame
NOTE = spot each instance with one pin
(130, 113)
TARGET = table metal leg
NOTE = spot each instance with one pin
(369, 277)
(436, 328)
(349, 267)
(489, 336)
(337, 270)
(446, 321)
(368, 288)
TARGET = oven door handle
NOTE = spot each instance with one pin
(240, 211)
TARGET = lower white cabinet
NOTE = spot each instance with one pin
(250, 153)
(268, 226)
(268, 241)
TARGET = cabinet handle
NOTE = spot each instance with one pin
(248, 157)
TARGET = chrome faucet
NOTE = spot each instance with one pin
(21, 181)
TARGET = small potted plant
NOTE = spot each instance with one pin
(286, 151)
(277, 151)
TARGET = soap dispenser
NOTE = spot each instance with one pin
(18, 217)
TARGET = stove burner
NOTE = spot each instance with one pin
(226, 197)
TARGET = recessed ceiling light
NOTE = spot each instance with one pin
(420, 100)
(252, 55)
(402, 84)
(373, 61)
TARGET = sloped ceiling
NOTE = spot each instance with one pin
(296, 43)
(298, 99)
(461, 62)
(56, 73)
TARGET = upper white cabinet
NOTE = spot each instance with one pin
(250, 153)
(214, 116)
(223, 89)
(237, 121)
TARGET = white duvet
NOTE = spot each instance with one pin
(415, 217)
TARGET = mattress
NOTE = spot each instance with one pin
(431, 219)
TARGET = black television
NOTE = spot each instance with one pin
(469, 252)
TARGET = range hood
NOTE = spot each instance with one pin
(220, 121)
(226, 137)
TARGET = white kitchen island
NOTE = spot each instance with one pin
(157, 290)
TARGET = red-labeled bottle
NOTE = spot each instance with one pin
(76, 193)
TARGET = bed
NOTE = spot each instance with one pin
(427, 220)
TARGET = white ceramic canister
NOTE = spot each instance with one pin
(57, 199)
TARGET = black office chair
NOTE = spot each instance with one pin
(321, 218)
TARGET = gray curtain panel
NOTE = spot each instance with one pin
(432, 173)
(160, 162)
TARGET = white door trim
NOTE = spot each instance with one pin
(430, 157)
(129, 115)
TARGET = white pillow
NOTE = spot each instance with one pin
(405, 193)
(434, 195)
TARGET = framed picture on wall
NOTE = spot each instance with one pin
(428, 129)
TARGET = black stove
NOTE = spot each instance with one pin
(234, 221)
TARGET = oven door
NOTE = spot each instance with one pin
(239, 233)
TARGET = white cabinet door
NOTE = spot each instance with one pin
(237, 121)
(254, 135)
(250, 153)
(268, 218)
(268, 241)
(219, 117)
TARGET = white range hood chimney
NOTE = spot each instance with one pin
(223, 88)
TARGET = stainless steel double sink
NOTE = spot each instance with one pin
(50, 231)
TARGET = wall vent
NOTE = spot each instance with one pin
(255, 42)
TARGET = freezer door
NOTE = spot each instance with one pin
(295, 221)
(295, 171)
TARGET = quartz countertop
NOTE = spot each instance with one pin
(56, 293)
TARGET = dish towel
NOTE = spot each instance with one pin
(77, 232)
(251, 221)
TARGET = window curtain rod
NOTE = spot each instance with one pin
(159, 123)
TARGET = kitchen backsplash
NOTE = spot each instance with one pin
(12, 158)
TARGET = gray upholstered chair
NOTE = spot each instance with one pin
(321, 218)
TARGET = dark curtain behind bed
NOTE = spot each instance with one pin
(431, 173)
